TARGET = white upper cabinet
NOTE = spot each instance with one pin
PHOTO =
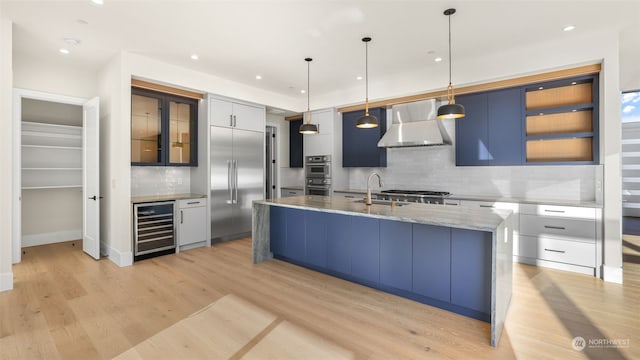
(236, 115)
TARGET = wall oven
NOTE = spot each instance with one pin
(318, 175)
(318, 166)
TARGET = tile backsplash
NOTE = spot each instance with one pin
(160, 180)
(433, 168)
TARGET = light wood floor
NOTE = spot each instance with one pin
(67, 305)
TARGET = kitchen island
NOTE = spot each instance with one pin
(455, 258)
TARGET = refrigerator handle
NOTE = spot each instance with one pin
(235, 201)
(229, 181)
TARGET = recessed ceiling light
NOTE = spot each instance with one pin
(98, 2)
(568, 28)
(358, 77)
(438, 59)
(82, 21)
(194, 57)
(258, 77)
(64, 51)
(303, 91)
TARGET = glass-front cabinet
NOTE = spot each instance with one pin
(163, 129)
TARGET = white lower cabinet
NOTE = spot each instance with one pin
(555, 236)
(561, 237)
(192, 223)
(288, 192)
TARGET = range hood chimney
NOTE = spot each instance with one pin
(415, 124)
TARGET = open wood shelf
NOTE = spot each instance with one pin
(560, 122)
(560, 150)
(559, 96)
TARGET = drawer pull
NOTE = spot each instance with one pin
(555, 251)
(554, 227)
(193, 202)
(554, 211)
(487, 206)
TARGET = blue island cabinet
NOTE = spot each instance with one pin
(395, 254)
(432, 261)
(471, 269)
(436, 265)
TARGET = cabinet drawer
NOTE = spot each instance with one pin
(290, 192)
(559, 211)
(556, 227)
(569, 252)
(188, 203)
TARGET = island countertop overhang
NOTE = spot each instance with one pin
(488, 219)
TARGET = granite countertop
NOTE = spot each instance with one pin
(496, 198)
(165, 197)
(483, 219)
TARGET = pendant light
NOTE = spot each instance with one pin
(451, 110)
(308, 128)
(367, 121)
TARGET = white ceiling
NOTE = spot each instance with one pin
(238, 40)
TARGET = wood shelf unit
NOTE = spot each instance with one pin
(51, 156)
(561, 121)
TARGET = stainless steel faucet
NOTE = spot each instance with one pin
(367, 200)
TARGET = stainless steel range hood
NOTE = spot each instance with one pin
(415, 124)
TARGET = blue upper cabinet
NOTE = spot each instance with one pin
(360, 146)
(504, 113)
(472, 131)
(296, 142)
(548, 123)
(491, 131)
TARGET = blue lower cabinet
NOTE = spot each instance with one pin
(471, 269)
(277, 230)
(431, 261)
(339, 243)
(316, 237)
(365, 249)
(395, 254)
(295, 247)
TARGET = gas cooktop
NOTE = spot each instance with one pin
(417, 192)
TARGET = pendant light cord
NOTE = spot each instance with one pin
(366, 77)
(308, 81)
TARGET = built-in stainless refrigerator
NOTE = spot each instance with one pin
(237, 179)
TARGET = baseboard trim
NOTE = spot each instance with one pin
(6, 281)
(612, 274)
(51, 238)
(119, 258)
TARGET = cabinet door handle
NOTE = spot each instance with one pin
(231, 120)
(193, 202)
(554, 227)
(554, 211)
(181, 217)
(555, 251)
(229, 182)
(235, 121)
(235, 181)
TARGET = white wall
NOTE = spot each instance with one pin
(6, 153)
(54, 76)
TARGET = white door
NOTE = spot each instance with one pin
(91, 177)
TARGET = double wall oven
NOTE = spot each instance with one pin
(318, 175)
